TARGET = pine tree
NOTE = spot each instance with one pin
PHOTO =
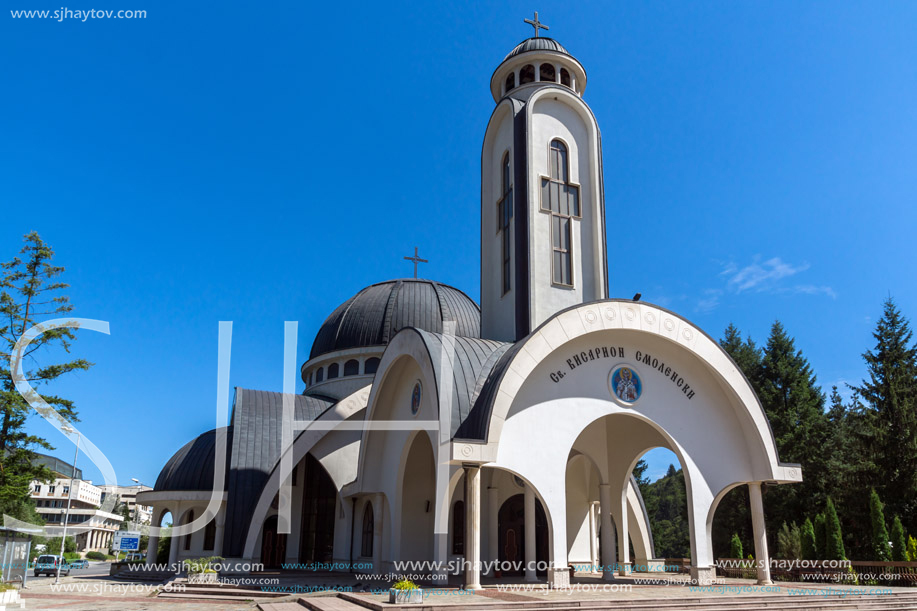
(795, 408)
(899, 543)
(890, 394)
(789, 542)
(735, 547)
(30, 291)
(807, 541)
(880, 549)
(821, 531)
(834, 541)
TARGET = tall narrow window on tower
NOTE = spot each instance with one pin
(560, 197)
(504, 215)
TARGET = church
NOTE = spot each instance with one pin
(494, 440)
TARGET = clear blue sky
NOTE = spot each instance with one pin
(262, 163)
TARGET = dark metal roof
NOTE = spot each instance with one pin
(537, 44)
(191, 468)
(374, 315)
(256, 420)
(471, 362)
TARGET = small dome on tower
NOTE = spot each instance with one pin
(537, 44)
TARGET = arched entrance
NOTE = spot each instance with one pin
(318, 508)
(273, 545)
(417, 493)
(511, 529)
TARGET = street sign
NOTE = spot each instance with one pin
(126, 541)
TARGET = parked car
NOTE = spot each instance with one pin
(82, 563)
(47, 564)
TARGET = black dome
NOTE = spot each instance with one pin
(537, 44)
(374, 315)
(191, 468)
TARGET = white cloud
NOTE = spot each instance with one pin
(759, 276)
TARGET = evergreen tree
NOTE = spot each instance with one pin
(795, 408)
(30, 291)
(807, 541)
(890, 395)
(911, 549)
(880, 549)
(899, 543)
(788, 542)
(834, 542)
(821, 531)
(735, 547)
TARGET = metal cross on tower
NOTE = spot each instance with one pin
(536, 24)
(416, 259)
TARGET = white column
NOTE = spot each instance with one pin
(608, 533)
(493, 527)
(377, 533)
(557, 73)
(529, 516)
(152, 547)
(221, 522)
(757, 521)
(593, 539)
(472, 527)
(174, 542)
(623, 540)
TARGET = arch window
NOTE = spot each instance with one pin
(188, 520)
(565, 78)
(527, 74)
(352, 367)
(560, 198)
(333, 371)
(504, 216)
(210, 535)
(319, 375)
(366, 545)
(371, 366)
(510, 82)
(458, 528)
(547, 73)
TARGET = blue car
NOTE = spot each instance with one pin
(79, 564)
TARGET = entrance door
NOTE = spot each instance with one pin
(511, 521)
(273, 545)
(318, 505)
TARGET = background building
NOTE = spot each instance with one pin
(51, 503)
(128, 495)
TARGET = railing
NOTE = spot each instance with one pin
(860, 572)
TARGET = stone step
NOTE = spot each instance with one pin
(331, 603)
(714, 602)
(226, 591)
(280, 607)
(184, 596)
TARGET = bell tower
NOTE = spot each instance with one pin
(542, 196)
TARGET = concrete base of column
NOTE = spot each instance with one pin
(703, 575)
(559, 578)
(625, 568)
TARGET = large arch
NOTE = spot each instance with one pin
(694, 401)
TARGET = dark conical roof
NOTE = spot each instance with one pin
(374, 315)
(191, 468)
(537, 44)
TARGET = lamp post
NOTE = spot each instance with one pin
(63, 539)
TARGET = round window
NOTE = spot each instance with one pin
(415, 399)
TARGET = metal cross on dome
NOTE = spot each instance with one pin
(416, 259)
(536, 24)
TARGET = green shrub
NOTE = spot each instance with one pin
(202, 565)
(6, 587)
(735, 547)
(96, 556)
(404, 584)
(820, 531)
(912, 549)
(880, 549)
(834, 542)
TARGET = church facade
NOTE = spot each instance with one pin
(497, 439)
